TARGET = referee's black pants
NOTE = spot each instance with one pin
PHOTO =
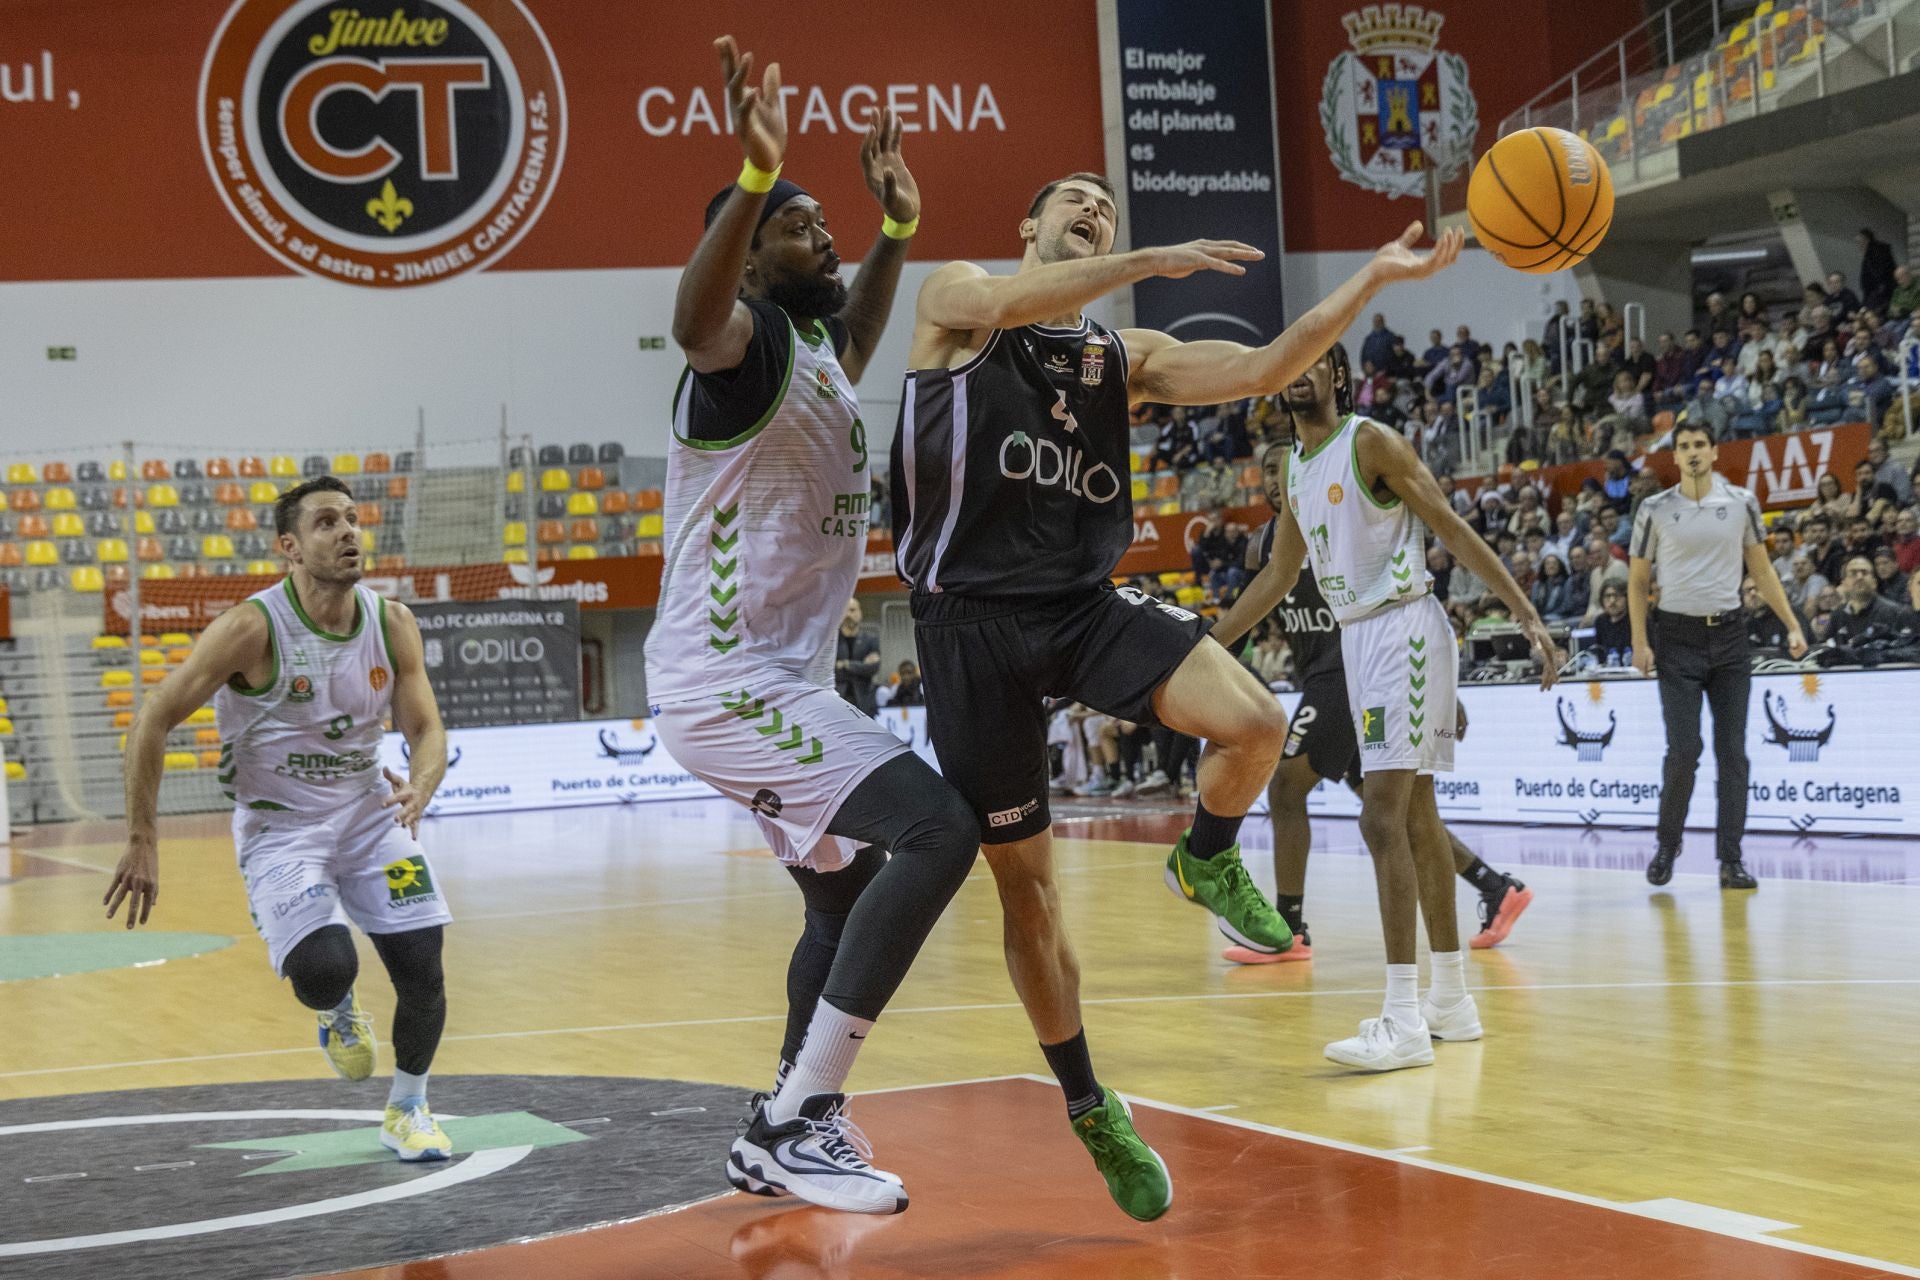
(1694, 656)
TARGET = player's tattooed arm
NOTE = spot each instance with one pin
(870, 301)
(710, 323)
(1387, 463)
(417, 716)
(1163, 370)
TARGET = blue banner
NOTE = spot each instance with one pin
(1197, 116)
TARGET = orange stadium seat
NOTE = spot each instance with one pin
(56, 473)
(648, 549)
(10, 557)
(252, 469)
(23, 500)
(376, 464)
(155, 469)
(242, 520)
(230, 495)
(616, 503)
(550, 531)
(370, 514)
(150, 550)
(120, 697)
(33, 527)
(647, 500)
(397, 489)
(1167, 486)
(584, 531)
(123, 719)
(219, 469)
(590, 478)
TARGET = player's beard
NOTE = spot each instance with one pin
(815, 296)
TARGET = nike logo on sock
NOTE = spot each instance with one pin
(856, 1035)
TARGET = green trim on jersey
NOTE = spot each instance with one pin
(233, 681)
(386, 636)
(1307, 455)
(779, 398)
(1360, 480)
(359, 614)
(818, 334)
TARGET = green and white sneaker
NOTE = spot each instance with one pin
(1221, 885)
(1137, 1177)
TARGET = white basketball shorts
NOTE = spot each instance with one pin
(1402, 673)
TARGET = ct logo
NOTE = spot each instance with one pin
(388, 150)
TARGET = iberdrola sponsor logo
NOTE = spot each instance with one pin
(389, 146)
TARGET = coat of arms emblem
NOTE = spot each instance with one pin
(1396, 108)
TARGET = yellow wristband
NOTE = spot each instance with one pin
(897, 230)
(758, 180)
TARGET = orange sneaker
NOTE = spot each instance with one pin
(1302, 949)
(1498, 912)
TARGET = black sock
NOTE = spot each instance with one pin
(1211, 833)
(1288, 905)
(1483, 877)
(1073, 1068)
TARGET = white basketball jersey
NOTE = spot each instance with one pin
(765, 534)
(1366, 555)
(309, 738)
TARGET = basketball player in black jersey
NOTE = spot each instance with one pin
(1011, 510)
(1321, 744)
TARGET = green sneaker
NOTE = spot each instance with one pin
(1221, 885)
(1137, 1177)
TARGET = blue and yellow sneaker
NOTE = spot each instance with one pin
(411, 1132)
(347, 1039)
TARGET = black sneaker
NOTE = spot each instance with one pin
(1734, 875)
(1660, 870)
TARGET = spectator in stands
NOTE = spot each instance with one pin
(1638, 361)
(907, 689)
(1579, 583)
(1780, 547)
(1868, 391)
(1435, 354)
(1861, 540)
(1493, 392)
(1627, 415)
(1871, 499)
(1795, 407)
(1213, 558)
(1528, 515)
(1830, 497)
(1591, 384)
(1731, 384)
(1866, 617)
(1589, 327)
(1889, 581)
(1841, 300)
(1605, 563)
(1762, 380)
(1820, 613)
(1464, 339)
(1723, 349)
(1535, 356)
(1906, 294)
(1177, 448)
(1817, 540)
(1766, 634)
(1377, 347)
(1670, 369)
(856, 660)
(1618, 480)
(1550, 590)
(1820, 334)
(1615, 530)
(1401, 363)
(1704, 410)
(1557, 323)
(1566, 533)
(1805, 583)
(1440, 438)
(1269, 657)
(1612, 630)
(1454, 371)
(1718, 316)
(1562, 443)
(1752, 310)
(1645, 483)
(1813, 297)
(1906, 539)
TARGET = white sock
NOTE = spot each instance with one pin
(1403, 994)
(826, 1058)
(405, 1087)
(1449, 978)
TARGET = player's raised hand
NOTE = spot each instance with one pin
(759, 113)
(409, 800)
(136, 881)
(1397, 259)
(1176, 262)
(886, 172)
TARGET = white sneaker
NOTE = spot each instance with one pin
(1384, 1045)
(1122, 789)
(1456, 1022)
(1100, 786)
(820, 1156)
(1154, 783)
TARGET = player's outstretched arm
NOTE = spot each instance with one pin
(237, 642)
(870, 301)
(1385, 457)
(1270, 586)
(709, 321)
(417, 716)
(961, 297)
(1166, 371)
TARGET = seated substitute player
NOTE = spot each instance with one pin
(766, 500)
(1356, 498)
(1011, 513)
(302, 675)
(1321, 745)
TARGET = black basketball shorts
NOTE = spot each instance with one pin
(1321, 728)
(989, 665)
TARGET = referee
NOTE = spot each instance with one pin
(1700, 532)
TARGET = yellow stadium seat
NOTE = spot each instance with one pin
(346, 464)
(1171, 507)
(152, 658)
(367, 539)
(283, 467)
(555, 480)
(111, 551)
(173, 637)
(1172, 578)
(109, 642)
(22, 473)
(515, 555)
(116, 679)
(516, 482)
(15, 771)
(117, 469)
(583, 551)
(162, 495)
(87, 578)
(6, 727)
(583, 504)
(42, 553)
(68, 524)
(181, 761)
(514, 534)
(6, 503)
(216, 546)
(1187, 596)
(651, 526)
(1139, 487)
(143, 523)
(61, 500)
(155, 572)
(262, 568)
(261, 492)
(4, 708)
(201, 715)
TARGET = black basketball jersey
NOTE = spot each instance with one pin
(1010, 473)
(1308, 622)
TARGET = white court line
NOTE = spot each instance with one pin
(624, 906)
(992, 1006)
(1715, 1224)
(65, 862)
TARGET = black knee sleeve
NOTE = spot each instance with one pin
(420, 1013)
(322, 967)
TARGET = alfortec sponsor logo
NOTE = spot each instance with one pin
(388, 148)
(1050, 465)
(1803, 745)
(1588, 744)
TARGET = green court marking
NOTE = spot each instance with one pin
(53, 955)
(337, 1148)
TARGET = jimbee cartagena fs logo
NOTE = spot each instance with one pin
(387, 148)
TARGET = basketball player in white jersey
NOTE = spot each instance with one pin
(1357, 497)
(302, 676)
(766, 526)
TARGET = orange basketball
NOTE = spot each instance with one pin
(1540, 200)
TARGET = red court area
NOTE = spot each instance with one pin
(1248, 1203)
